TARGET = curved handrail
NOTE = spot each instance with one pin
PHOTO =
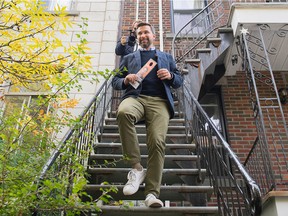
(71, 132)
(196, 113)
(178, 33)
(210, 11)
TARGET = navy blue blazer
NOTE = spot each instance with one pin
(122, 50)
(131, 63)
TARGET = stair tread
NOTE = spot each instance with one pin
(113, 156)
(119, 145)
(143, 134)
(175, 102)
(201, 50)
(209, 39)
(184, 71)
(184, 209)
(225, 30)
(171, 120)
(215, 41)
(178, 188)
(192, 60)
(182, 127)
(126, 170)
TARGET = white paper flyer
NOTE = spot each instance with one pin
(143, 72)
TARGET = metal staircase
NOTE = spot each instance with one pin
(200, 56)
(206, 68)
(202, 175)
(181, 190)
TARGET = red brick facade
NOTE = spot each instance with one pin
(240, 121)
(239, 116)
(238, 110)
(129, 15)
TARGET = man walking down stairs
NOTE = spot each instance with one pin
(181, 189)
(150, 101)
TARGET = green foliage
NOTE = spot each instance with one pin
(28, 130)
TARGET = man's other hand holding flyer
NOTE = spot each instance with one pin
(142, 73)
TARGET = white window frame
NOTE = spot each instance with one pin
(187, 9)
(212, 101)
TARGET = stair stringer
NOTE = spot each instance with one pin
(208, 59)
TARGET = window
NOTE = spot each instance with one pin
(211, 102)
(184, 11)
(212, 105)
(51, 4)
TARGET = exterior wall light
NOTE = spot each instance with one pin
(234, 59)
(283, 95)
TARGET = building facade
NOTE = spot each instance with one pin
(239, 92)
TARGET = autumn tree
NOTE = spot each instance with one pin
(30, 59)
(28, 42)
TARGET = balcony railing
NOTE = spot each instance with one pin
(267, 160)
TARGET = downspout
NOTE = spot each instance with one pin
(137, 10)
(160, 26)
(160, 21)
(147, 12)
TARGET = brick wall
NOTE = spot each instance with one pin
(238, 111)
(129, 15)
(241, 127)
(239, 116)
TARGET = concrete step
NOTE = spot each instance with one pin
(112, 160)
(116, 148)
(177, 114)
(168, 192)
(167, 157)
(119, 175)
(126, 170)
(170, 138)
(202, 50)
(193, 62)
(215, 42)
(165, 211)
(141, 128)
(168, 146)
(174, 121)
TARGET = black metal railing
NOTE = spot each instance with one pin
(81, 135)
(235, 191)
(267, 160)
(193, 34)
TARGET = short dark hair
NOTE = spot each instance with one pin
(146, 24)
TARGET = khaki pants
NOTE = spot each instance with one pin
(154, 111)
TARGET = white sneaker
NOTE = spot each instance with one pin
(152, 201)
(135, 178)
